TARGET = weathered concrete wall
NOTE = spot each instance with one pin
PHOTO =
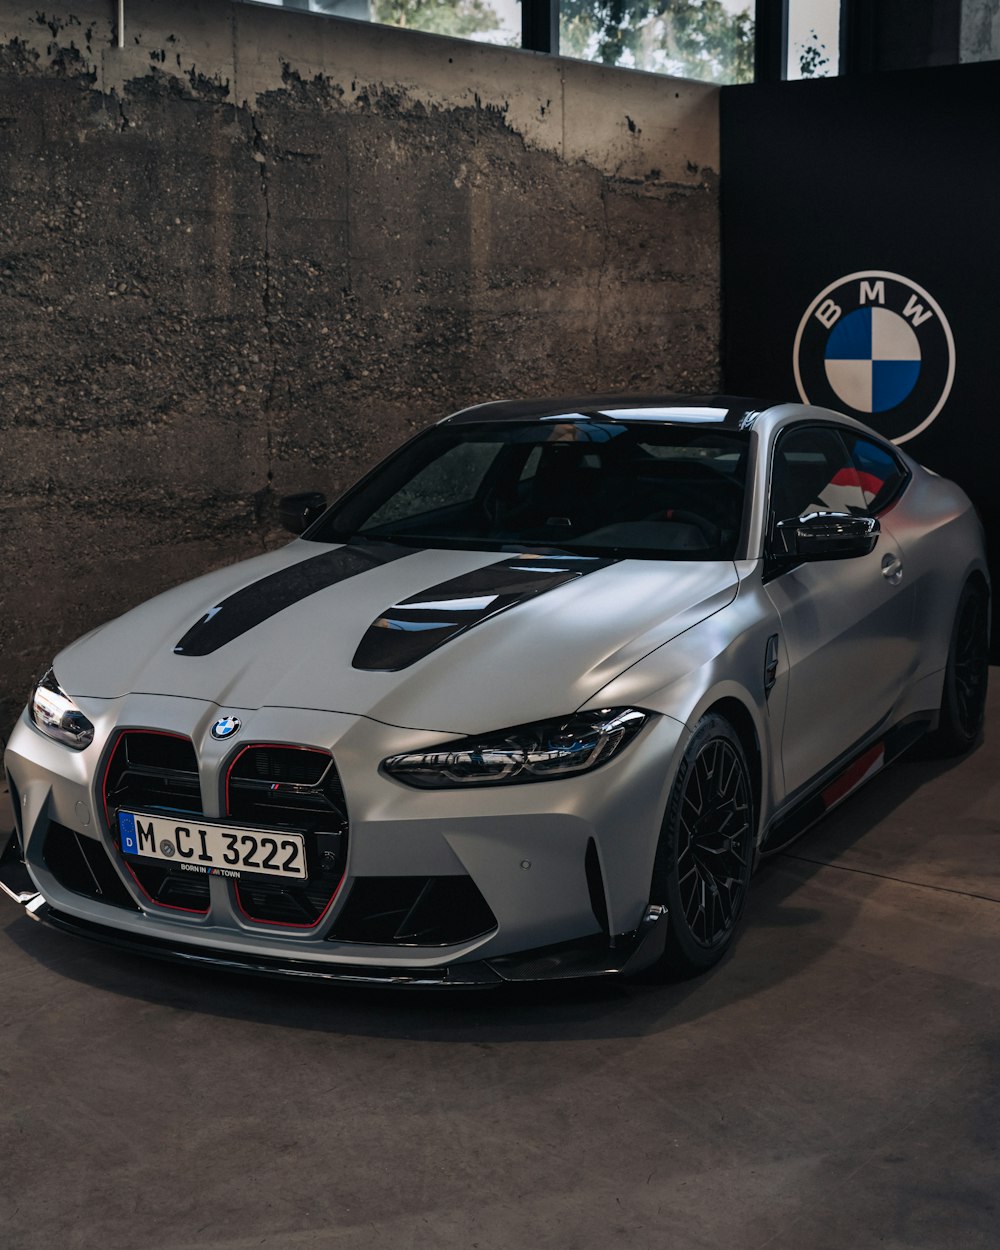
(254, 249)
(980, 37)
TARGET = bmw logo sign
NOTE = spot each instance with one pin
(876, 345)
(226, 727)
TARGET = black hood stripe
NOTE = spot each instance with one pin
(409, 630)
(272, 594)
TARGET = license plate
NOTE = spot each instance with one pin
(222, 850)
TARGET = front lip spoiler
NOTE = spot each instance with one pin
(594, 956)
(459, 976)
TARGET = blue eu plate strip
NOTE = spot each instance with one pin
(126, 830)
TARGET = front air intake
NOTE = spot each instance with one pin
(154, 771)
(413, 911)
(272, 786)
(81, 865)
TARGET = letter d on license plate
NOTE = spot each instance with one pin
(229, 850)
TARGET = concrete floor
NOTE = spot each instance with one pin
(834, 1083)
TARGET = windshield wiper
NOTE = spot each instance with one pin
(401, 540)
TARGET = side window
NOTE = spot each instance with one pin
(813, 472)
(881, 475)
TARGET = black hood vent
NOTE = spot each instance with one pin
(261, 600)
(409, 630)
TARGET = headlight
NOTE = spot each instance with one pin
(57, 716)
(540, 752)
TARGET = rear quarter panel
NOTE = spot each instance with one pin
(943, 541)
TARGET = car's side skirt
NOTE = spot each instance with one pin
(841, 779)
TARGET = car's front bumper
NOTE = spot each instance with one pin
(625, 954)
(526, 849)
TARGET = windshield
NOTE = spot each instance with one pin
(633, 489)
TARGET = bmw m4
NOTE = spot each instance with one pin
(529, 701)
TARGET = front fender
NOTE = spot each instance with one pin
(722, 658)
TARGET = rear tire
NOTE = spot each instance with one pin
(963, 698)
(705, 853)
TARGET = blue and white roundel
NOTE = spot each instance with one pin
(226, 727)
(872, 359)
(878, 346)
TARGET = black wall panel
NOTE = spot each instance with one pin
(899, 34)
(884, 174)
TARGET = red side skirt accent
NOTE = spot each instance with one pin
(852, 776)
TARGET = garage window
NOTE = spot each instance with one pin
(813, 40)
(485, 21)
(708, 39)
(712, 40)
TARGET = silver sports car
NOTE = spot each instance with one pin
(529, 701)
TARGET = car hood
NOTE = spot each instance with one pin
(452, 641)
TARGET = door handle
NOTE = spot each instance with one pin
(892, 569)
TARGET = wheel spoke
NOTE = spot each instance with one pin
(692, 898)
(713, 899)
(726, 780)
(698, 902)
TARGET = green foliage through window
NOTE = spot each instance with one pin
(692, 38)
(439, 17)
(813, 60)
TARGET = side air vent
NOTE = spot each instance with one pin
(15, 807)
(595, 885)
(81, 865)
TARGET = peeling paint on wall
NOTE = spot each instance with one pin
(254, 249)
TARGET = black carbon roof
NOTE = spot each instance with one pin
(732, 410)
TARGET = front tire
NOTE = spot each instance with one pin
(705, 852)
(963, 698)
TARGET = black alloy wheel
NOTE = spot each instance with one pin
(971, 668)
(706, 850)
(963, 699)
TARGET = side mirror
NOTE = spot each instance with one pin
(824, 536)
(297, 512)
